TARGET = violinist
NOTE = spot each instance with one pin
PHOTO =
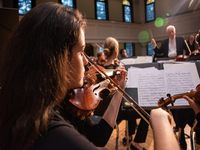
(123, 53)
(196, 107)
(101, 59)
(111, 50)
(191, 42)
(195, 55)
(43, 61)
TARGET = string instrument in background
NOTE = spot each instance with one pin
(171, 99)
(186, 57)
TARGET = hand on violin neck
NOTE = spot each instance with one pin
(121, 78)
(195, 106)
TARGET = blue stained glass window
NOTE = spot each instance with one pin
(150, 50)
(100, 49)
(24, 6)
(150, 12)
(127, 14)
(129, 49)
(101, 10)
(68, 3)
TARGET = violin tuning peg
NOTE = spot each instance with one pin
(162, 99)
(169, 95)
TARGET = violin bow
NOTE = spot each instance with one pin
(187, 46)
(121, 91)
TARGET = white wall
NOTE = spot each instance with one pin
(184, 18)
(98, 31)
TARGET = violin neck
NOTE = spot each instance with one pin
(191, 94)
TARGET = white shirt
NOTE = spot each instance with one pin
(172, 47)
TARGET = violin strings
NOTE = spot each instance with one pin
(119, 92)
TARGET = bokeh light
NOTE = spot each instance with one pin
(143, 36)
(165, 21)
(159, 22)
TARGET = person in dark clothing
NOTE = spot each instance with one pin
(196, 53)
(172, 46)
(196, 107)
(101, 59)
(191, 43)
(44, 64)
(123, 53)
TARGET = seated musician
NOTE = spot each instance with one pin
(111, 50)
(195, 55)
(101, 59)
(172, 47)
(195, 105)
(123, 53)
(191, 42)
(44, 59)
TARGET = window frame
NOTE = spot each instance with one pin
(106, 8)
(15, 5)
(133, 48)
(74, 4)
(146, 11)
(131, 11)
(148, 50)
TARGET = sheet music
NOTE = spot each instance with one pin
(132, 75)
(151, 87)
(180, 81)
(138, 60)
(153, 84)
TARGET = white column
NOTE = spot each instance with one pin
(144, 48)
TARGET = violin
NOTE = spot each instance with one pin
(171, 99)
(84, 100)
(186, 57)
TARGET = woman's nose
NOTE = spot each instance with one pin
(85, 61)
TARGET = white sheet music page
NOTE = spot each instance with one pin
(153, 84)
(151, 87)
(181, 78)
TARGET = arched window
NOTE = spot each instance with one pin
(24, 6)
(130, 49)
(101, 7)
(69, 3)
(150, 10)
(150, 50)
(127, 11)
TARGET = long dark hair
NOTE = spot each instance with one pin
(34, 76)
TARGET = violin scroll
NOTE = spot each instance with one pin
(171, 99)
